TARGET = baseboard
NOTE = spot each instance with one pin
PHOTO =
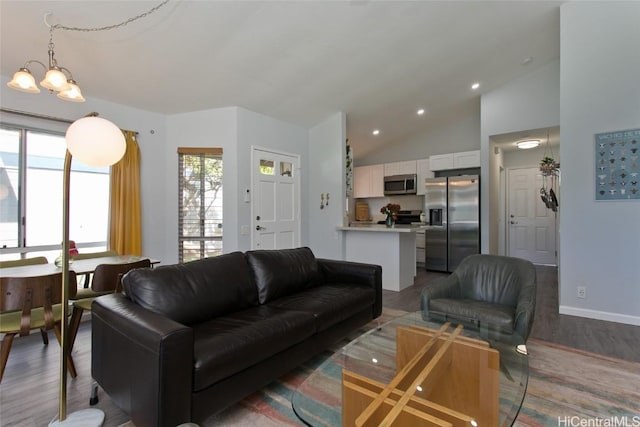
(600, 315)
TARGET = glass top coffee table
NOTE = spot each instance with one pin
(421, 367)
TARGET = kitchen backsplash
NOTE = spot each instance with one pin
(406, 202)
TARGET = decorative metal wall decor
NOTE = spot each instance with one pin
(618, 165)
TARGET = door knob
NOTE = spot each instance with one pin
(513, 222)
(260, 228)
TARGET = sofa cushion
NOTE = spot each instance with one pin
(498, 316)
(282, 272)
(229, 344)
(195, 291)
(330, 303)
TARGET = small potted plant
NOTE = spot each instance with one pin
(548, 166)
(390, 210)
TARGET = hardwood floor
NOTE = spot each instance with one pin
(607, 338)
(29, 389)
(30, 386)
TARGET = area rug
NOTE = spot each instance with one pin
(567, 387)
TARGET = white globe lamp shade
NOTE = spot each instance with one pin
(95, 141)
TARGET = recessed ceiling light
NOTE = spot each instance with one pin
(475, 86)
(420, 111)
(376, 132)
(529, 143)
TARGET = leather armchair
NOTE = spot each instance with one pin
(493, 290)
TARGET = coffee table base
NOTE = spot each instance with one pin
(437, 380)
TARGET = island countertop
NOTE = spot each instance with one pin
(398, 228)
(393, 248)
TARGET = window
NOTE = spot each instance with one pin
(199, 203)
(31, 163)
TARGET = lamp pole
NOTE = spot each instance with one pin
(66, 178)
(108, 147)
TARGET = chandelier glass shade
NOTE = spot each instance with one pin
(23, 81)
(55, 80)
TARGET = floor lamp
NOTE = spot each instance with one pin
(96, 142)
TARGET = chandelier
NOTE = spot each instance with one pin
(57, 79)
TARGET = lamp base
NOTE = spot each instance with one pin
(83, 418)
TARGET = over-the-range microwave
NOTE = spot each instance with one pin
(399, 184)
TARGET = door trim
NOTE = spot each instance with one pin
(507, 229)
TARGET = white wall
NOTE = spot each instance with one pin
(233, 129)
(528, 158)
(208, 128)
(236, 130)
(458, 133)
(327, 153)
(530, 102)
(151, 140)
(600, 92)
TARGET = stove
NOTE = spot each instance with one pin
(406, 217)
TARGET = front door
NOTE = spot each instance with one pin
(531, 226)
(276, 196)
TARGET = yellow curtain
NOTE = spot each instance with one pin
(125, 235)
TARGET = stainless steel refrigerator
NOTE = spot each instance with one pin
(452, 206)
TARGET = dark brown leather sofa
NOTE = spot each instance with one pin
(185, 341)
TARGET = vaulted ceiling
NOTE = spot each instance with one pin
(299, 61)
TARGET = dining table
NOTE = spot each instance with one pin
(80, 266)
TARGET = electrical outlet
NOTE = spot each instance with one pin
(582, 291)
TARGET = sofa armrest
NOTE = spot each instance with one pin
(525, 310)
(143, 360)
(356, 273)
(445, 287)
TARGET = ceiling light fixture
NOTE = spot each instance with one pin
(527, 144)
(57, 79)
(376, 132)
(475, 86)
(420, 111)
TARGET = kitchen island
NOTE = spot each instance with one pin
(393, 248)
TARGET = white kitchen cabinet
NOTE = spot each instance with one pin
(461, 160)
(407, 167)
(377, 181)
(466, 159)
(368, 181)
(423, 171)
(441, 162)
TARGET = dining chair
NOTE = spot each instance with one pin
(24, 261)
(106, 280)
(28, 303)
(87, 277)
(28, 261)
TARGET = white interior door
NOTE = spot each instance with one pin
(531, 226)
(276, 200)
